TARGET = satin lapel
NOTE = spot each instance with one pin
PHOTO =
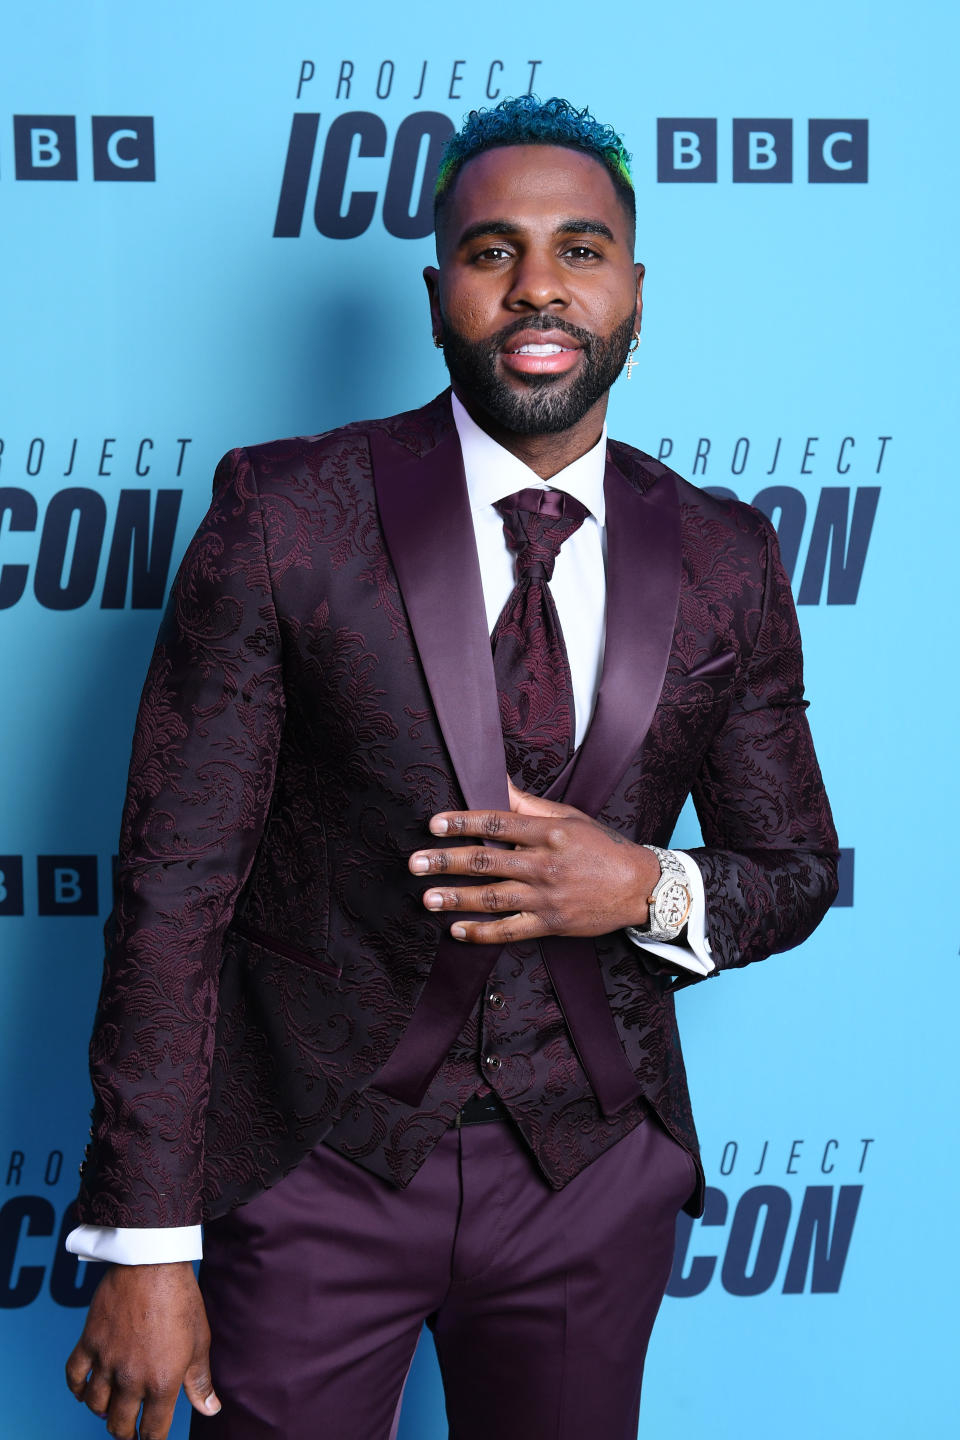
(426, 519)
(429, 532)
(643, 592)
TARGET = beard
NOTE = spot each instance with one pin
(548, 403)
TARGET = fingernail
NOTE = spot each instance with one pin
(212, 1405)
(433, 900)
(439, 826)
(419, 864)
(458, 932)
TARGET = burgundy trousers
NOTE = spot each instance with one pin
(541, 1302)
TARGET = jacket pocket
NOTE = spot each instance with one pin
(276, 946)
(710, 681)
(719, 667)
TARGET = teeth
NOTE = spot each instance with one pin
(539, 350)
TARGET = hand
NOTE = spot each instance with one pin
(566, 875)
(145, 1336)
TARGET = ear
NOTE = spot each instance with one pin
(431, 278)
(640, 272)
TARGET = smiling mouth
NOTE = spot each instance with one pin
(532, 358)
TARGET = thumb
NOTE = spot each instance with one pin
(198, 1388)
(523, 803)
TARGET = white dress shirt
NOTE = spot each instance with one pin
(578, 587)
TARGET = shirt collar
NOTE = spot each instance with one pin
(492, 471)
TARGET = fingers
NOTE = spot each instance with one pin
(470, 860)
(479, 898)
(544, 833)
(123, 1411)
(87, 1381)
(501, 825)
(118, 1402)
(157, 1415)
(78, 1367)
(96, 1394)
(553, 872)
(516, 876)
(510, 930)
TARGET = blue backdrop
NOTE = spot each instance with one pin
(201, 249)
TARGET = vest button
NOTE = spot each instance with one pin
(492, 1062)
(495, 1001)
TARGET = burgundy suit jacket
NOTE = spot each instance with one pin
(322, 684)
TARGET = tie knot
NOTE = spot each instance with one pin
(536, 523)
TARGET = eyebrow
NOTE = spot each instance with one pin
(508, 227)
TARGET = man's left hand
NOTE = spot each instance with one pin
(567, 874)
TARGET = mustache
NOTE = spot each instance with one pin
(542, 322)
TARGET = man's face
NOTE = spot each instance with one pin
(536, 298)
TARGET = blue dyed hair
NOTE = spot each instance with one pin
(526, 120)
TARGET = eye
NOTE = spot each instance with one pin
(492, 253)
(582, 252)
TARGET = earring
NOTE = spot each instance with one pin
(630, 354)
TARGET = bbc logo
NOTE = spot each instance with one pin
(66, 885)
(45, 147)
(762, 152)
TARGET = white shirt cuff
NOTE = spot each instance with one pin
(122, 1246)
(695, 954)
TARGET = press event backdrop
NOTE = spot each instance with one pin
(214, 218)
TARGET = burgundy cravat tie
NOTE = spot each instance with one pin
(529, 657)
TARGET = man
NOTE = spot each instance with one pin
(459, 1101)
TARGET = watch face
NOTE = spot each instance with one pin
(672, 905)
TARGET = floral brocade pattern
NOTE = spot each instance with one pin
(268, 944)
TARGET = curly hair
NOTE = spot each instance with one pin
(526, 120)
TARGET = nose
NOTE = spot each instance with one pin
(538, 282)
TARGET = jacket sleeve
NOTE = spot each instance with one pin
(201, 776)
(769, 855)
